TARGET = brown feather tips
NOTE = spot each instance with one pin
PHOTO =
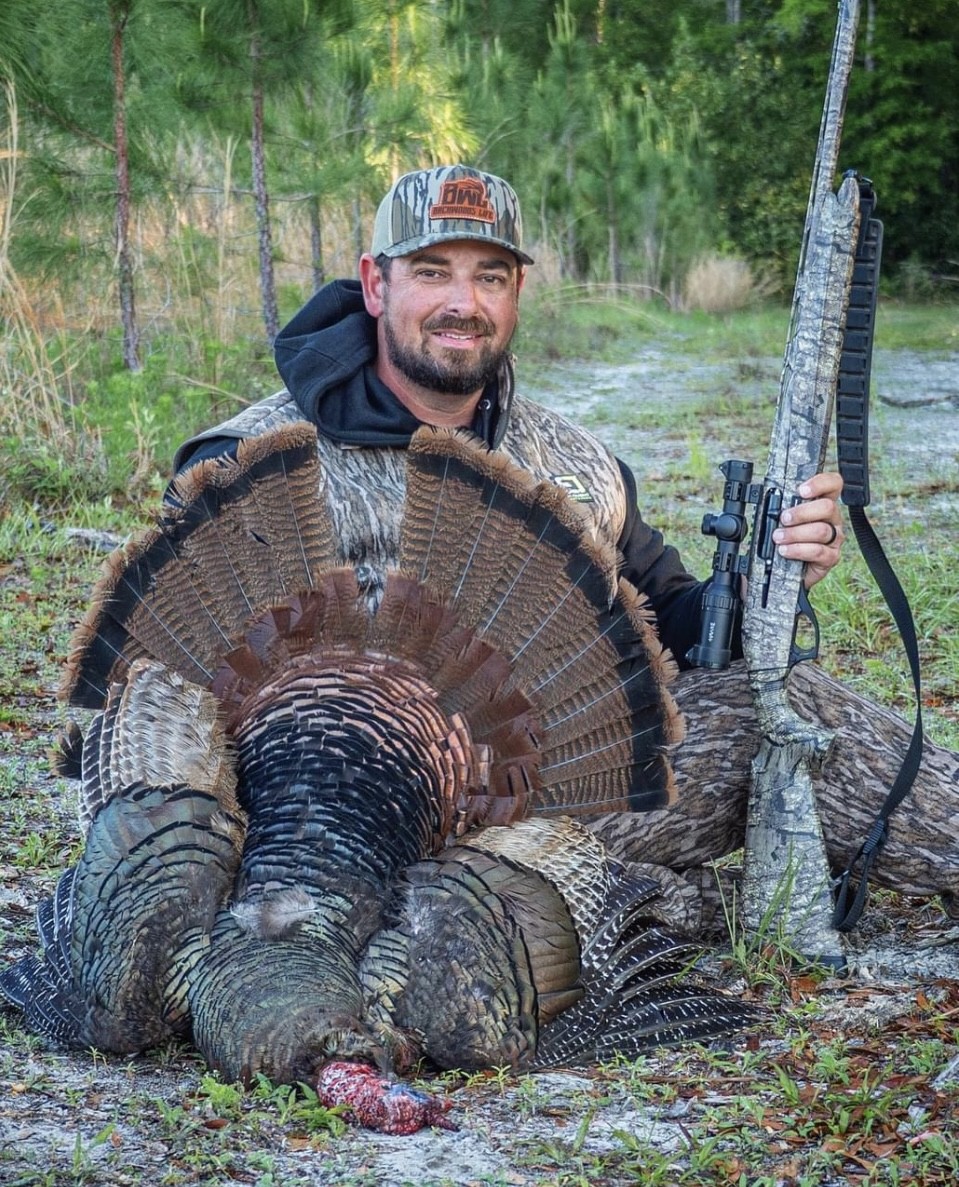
(439, 679)
(237, 535)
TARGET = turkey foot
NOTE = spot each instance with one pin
(379, 1103)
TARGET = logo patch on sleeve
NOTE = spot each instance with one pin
(574, 487)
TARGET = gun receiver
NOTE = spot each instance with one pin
(722, 598)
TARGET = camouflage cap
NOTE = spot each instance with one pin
(445, 203)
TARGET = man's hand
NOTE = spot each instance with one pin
(812, 530)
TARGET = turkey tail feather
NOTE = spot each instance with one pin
(513, 560)
(245, 533)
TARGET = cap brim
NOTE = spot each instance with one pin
(408, 246)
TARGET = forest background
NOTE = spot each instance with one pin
(177, 176)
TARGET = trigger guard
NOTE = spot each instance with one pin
(804, 610)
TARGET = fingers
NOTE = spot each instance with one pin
(816, 543)
(813, 512)
(827, 485)
(812, 530)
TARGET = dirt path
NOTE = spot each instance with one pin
(914, 418)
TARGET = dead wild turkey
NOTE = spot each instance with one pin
(318, 834)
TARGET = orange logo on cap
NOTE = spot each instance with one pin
(464, 197)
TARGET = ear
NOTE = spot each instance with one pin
(371, 278)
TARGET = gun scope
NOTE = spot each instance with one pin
(721, 598)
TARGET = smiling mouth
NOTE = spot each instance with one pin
(460, 332)
(457, 336)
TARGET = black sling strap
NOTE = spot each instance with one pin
(852, 410)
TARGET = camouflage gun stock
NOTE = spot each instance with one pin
(786, 876)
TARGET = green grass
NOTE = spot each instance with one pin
(934, 328)
(573, 323)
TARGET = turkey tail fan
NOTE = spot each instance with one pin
(242, 533)
(518, 566)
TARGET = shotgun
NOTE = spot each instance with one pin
(786, 877)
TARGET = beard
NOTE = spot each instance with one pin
(455, 374)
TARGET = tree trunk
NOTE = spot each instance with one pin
(359, 230)
(571, 269)
(708, 820)
(869, 59)
(612, 223)
(271, 319)
(120, 14)
(316, 243)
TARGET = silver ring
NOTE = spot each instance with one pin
(832, 538)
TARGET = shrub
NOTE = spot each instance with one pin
(723, 284)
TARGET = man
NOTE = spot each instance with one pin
(423, 337)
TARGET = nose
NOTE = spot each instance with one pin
(461, 297)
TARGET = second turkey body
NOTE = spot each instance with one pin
(317, 832)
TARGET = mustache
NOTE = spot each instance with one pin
(460, 325)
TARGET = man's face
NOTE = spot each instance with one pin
(448, 313)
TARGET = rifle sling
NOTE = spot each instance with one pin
(847, 914)
(852, 400)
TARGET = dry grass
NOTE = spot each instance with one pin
(724, 284)
(30, 378)
(37, 407)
